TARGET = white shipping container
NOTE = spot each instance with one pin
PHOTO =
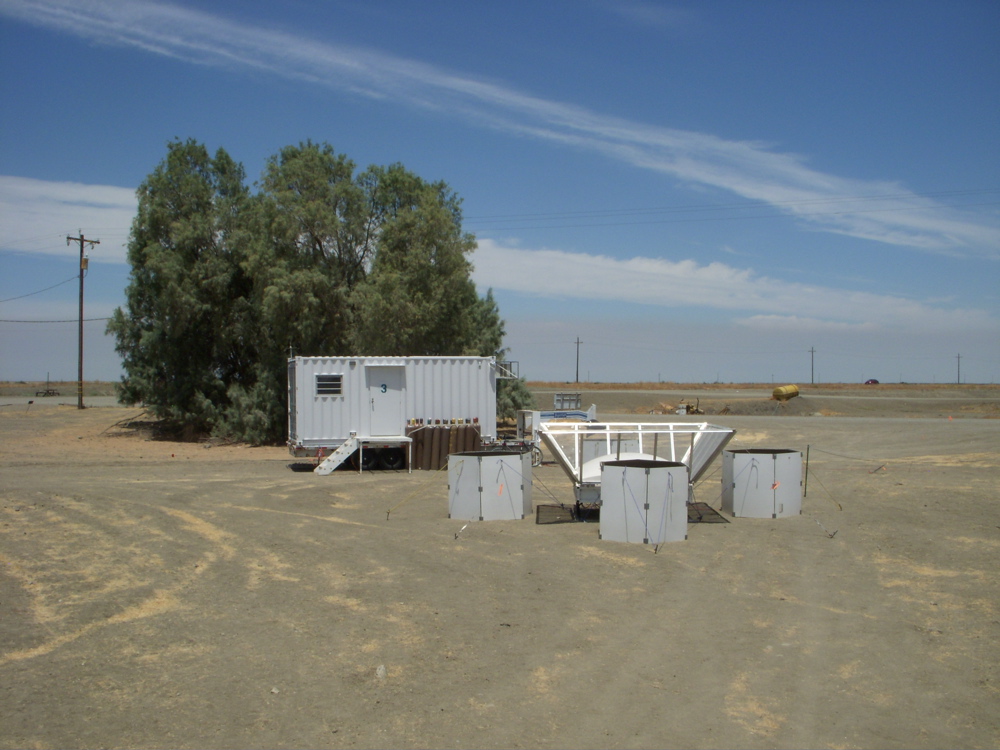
(373, 399)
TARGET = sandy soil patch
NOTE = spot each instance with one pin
(191, 595)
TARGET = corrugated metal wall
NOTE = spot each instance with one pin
(451, 389)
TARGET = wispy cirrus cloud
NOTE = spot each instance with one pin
(881, 211)
(647, 14)
(754, 299)
(37, 215)
(41, 213)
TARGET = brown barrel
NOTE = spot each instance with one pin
(427, 437)
(442, 456)
(413, 432)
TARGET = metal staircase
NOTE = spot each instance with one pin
(335, 459)
(508, 370)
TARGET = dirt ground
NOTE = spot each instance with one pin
(157, 594)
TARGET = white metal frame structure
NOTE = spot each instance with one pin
(693, 444)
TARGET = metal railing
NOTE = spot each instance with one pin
(696, 445)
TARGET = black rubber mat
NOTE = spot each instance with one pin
(704, 513)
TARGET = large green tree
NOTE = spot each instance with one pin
(180, 330)
(225, 284)
(418, 297)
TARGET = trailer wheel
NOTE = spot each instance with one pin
(367, 461)
(392, 459)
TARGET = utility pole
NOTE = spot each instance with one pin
(83, 267)
(812, 365)
(577, 359)
(958, 357)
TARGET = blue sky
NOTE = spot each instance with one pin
(695, 191)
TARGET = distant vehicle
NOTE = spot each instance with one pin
(871, 381)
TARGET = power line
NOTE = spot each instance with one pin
(728, 206)
(659, 349)
(42, 244)
(776, 215)
(654, 348)
(11, 299)
(74, 320)
(675, 215)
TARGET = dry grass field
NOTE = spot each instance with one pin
(158, 594)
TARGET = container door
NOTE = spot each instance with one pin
(385, 399)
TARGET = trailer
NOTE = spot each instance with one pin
(372, 409)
